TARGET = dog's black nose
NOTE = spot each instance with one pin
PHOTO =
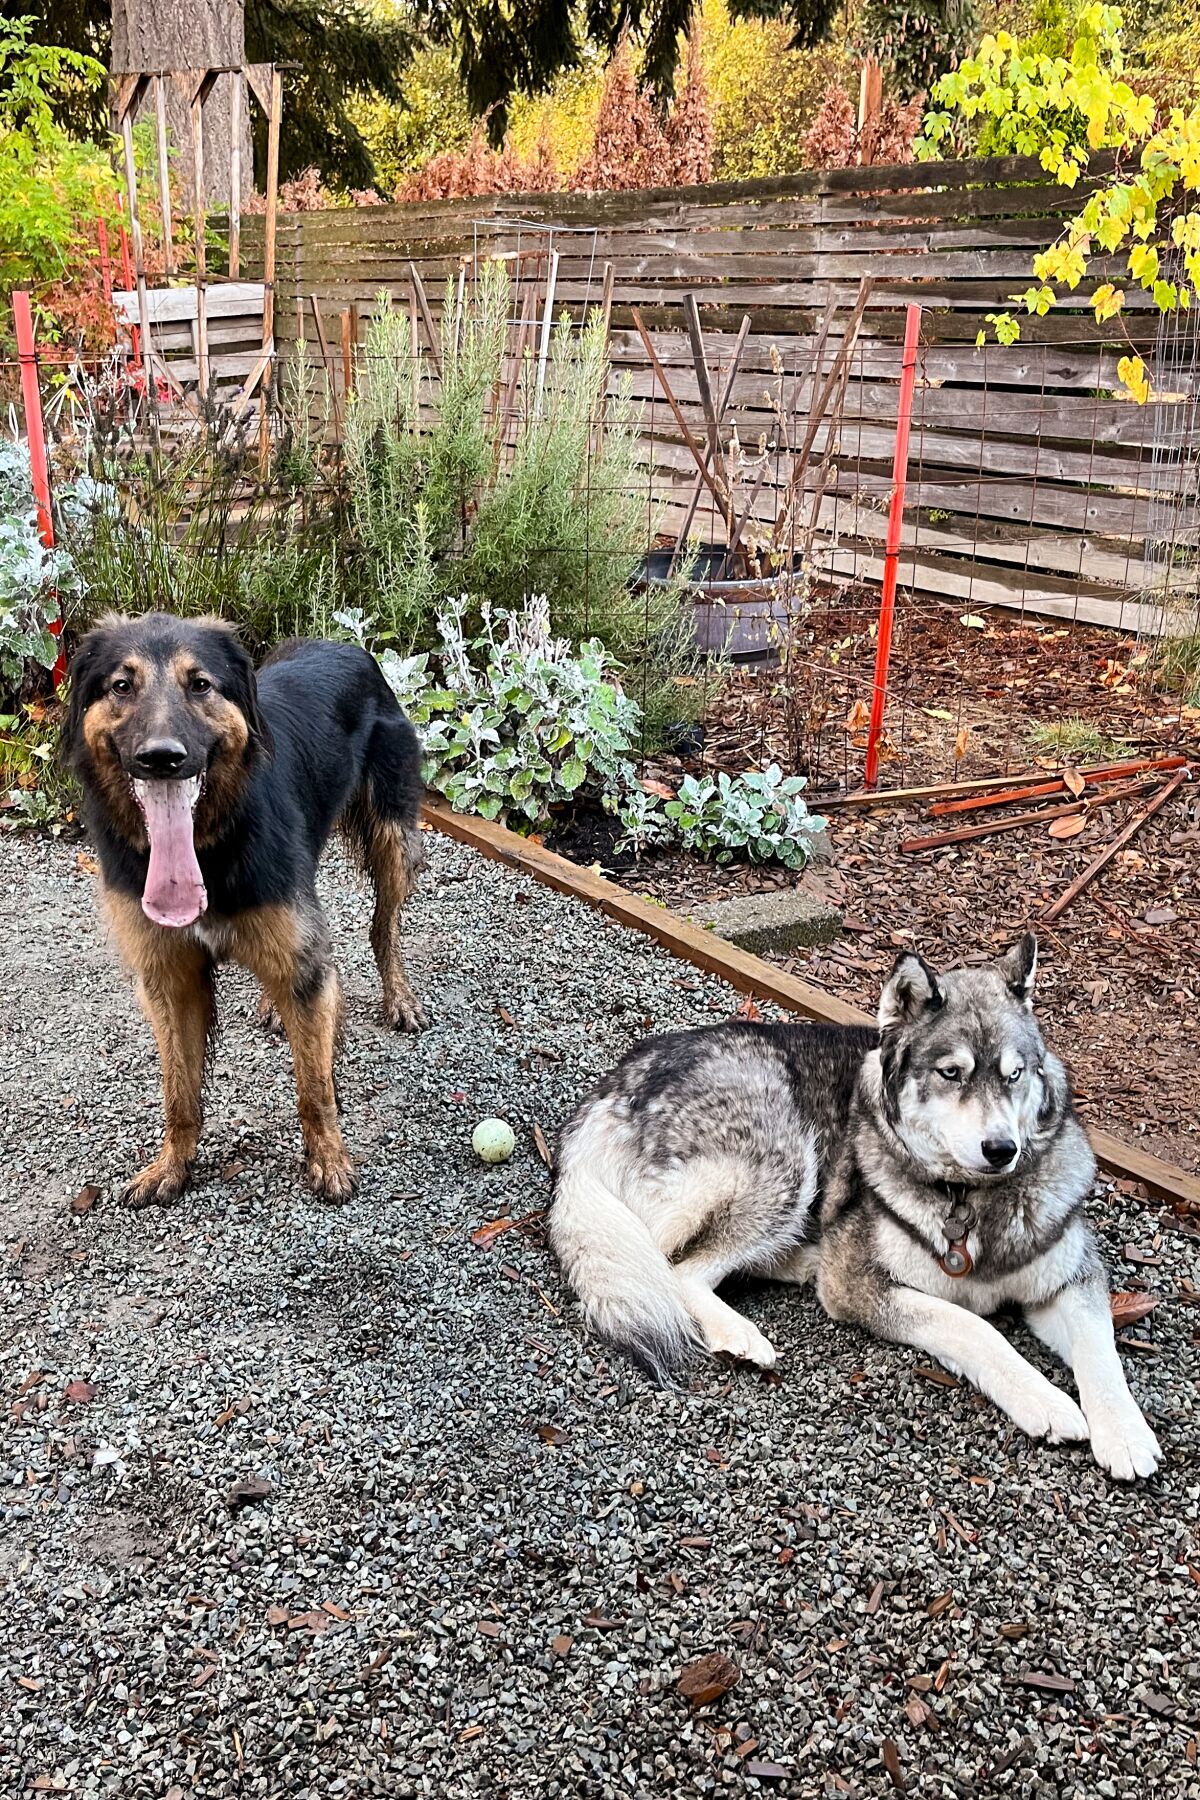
(159, 756)
(999, 1151)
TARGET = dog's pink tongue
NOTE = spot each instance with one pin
(174, 893)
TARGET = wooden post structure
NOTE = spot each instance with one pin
(130, 89)
(164, 173)
(870, 99)
(201, 333)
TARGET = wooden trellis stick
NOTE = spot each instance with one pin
(164, 172)
(698, 456)
(1110, 850)
(1017, 822)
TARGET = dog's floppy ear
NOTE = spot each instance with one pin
(85, 676)
(911, 989)
(240, 687)
(1019, 969)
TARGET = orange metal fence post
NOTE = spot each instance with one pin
(35, 432)
(887, 603)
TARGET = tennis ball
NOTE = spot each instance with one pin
(493, 1141)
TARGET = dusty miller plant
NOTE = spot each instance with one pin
(760, 815)
(33, 579)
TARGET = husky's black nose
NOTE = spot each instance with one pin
(999, 1151)
(159, 756)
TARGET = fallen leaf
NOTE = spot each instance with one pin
(937, 1607)
(889, 1756)
(749, 1009)
(1018, 1628)
(85, 1199)
(1069, 827)
(597, 1622)
(552, 1434)
(562, 1645)
(766, 1771)
(543, 1148)
(87, 863)
(29, 1684)
(962, 744)
(858, 717)
(79, 1393)
(657, 787)
(1072, 780)
(973, 622)
(1127, 1308)
(919, 1712)
(488, 1628)
(876, 1595)
(277, 1615)
(31, 1381)
(487, 1234)
(940, 1377)
(706, 1679)
(248, 1493)
(1034, 1678)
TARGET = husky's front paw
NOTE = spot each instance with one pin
(1124, 1444)
(736, 1336)
(1044, 1411)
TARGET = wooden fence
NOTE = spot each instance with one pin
(1033, 483)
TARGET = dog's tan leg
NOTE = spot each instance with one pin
(175, 988)
(286, 949)
(392, 853)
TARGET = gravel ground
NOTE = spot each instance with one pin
(479, 1553)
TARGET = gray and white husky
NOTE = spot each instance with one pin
(923, 1175)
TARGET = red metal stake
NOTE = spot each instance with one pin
(105, 263)
(35, 432)
(887, 603)
(127, 275)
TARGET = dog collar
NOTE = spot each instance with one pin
(956, 1259)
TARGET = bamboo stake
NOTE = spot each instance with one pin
(135, 232)
(198, 201)
(274, 120)
(887, 796)
(1119, 842)
(698, 457)
(547, 327)
(347, 357)
(1017, 822)
(1092, 777)
(691, 313)
(237, 101)
(726, 395)
(164, 172)
(426, 318)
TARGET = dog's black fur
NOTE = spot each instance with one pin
(315, 741)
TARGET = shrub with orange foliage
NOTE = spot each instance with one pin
(835, 142)
(456, 174)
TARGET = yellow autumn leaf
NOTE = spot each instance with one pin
(1131, 370)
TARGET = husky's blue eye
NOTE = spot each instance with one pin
(950, 1074)
(1016, 1076)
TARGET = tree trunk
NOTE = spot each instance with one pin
(190, 34)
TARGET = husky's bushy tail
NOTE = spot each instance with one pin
(624, 1281)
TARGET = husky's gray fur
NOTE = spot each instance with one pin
(865, 1160)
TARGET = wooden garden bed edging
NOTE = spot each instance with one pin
(748, 974)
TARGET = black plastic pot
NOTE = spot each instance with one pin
(745, 618)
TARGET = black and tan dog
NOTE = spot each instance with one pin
(211, 796)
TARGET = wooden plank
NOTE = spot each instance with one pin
(745, 973)
(168, 305)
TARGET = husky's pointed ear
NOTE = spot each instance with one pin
(1019, 969)
(911, 989)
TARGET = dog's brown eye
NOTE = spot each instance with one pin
(201, 684)
(121, 686)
